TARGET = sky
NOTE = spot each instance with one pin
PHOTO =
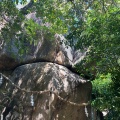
(20, 6)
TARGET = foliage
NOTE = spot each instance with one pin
(20, 29)
(102, 92)
(106, 98)
(101, 32)
(92, 25)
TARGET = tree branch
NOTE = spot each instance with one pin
(26, 7)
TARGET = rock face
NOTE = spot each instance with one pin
(47, 76)
(43, 68)
(45, 50)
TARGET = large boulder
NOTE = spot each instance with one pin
(50, 49)
(48, 106)
(47, 49)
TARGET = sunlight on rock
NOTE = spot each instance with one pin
(39, 117)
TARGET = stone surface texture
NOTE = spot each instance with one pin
(48, 65)
(47, 76)
(50, 49)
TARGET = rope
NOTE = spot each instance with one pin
(43, 92)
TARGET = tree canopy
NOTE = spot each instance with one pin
(91, 24)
